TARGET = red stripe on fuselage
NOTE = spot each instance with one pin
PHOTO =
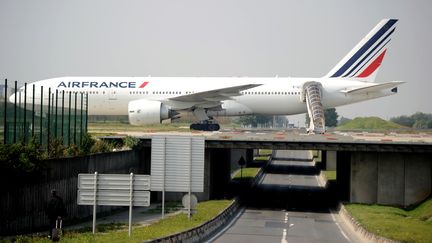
(143, 85)
(373, 66)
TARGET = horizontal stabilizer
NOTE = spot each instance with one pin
(373, 87)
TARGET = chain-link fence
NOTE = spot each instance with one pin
(43, 114)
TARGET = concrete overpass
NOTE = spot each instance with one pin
(371, 168)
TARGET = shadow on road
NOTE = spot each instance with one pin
(289, 185)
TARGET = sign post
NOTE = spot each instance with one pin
(95, 202)
(130, 202)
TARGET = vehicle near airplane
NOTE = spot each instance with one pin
(149, 100)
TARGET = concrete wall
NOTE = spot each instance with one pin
(220, 172)
(400, 179)
(330, 160)
(236, 154)
(343, 174)
(364, 176)
(22, 209)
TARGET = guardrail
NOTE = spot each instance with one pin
(205, 230)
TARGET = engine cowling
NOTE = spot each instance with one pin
(145, 112)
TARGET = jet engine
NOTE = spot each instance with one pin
(144, 112)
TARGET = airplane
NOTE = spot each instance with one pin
(150, 100)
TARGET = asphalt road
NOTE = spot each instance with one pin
(289, 204)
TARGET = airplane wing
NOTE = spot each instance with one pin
(373, 88)
(206, 99)
(214, 95)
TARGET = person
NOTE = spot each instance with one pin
(55, 210)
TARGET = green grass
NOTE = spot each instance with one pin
(329, 174)
(413, 225)
(265, 158)
(248, 173)
(370, 123)
(109, 127)
(265, 151)
(170, 207)
(118, 233)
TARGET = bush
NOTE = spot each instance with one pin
(20, 163)
(56, 148)
(72, 150)
(87, 143)
(101, 146)
(132, 142)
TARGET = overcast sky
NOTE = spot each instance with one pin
(45, 39)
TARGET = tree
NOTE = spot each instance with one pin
(255, 120)
(331, 117)
(417, 120)
(403, 120)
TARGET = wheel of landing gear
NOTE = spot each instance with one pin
(213, 127)
(205, 127)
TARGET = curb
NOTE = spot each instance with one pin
(203, 231)
(360, 229)
(355, 225)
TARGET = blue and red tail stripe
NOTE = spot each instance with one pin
(370, 48)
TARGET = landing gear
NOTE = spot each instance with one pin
(206, 123)
(205, 126)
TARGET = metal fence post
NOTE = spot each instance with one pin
(41, 118)
(5, 114)
(81, 118)
(56, 114)
(49, 119)
(94, 201)
(69, 118)
(86, 117)
(75, 118)
(25, 113)
(15, 113)
(130, 203)
(33, 111)
(62, 117)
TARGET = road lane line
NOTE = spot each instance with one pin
(284, 233)
(340, 229)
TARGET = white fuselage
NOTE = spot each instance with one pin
(274, 96)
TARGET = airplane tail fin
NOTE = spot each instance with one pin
(363, 61)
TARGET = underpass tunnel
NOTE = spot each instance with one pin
(291, 181)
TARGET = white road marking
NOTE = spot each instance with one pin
(284, 233)
(340, 229)
(284, 240)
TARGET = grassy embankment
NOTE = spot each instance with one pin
(119, 233)
(263, 154)
(414, 225)
(328, 174)
(370, 123)
(246, 174)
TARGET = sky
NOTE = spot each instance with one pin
(291, 38)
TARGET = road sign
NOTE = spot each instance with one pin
(114, 198)
(113, 190)
(114, 182)
(177, 163)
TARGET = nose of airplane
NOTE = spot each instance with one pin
(12, 98)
